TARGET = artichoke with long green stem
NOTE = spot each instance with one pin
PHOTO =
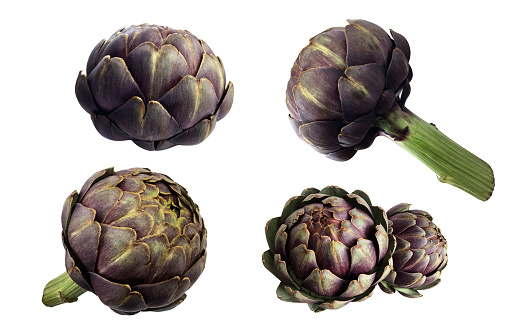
(350, 85)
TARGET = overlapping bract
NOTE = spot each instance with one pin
(134, 238)
(328, 248)
(342, 81)
(420, 255)
(156, 86)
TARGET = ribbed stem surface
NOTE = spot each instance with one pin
(451, 162)
(60, 290)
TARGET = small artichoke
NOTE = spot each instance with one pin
(350, 85)
(420, 255)
(134, 238)
(154, 85)
(328, 248)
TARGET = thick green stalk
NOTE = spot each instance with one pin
(451, 162)
(60, 290)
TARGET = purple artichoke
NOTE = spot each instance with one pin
(156, 86)
(342, 81)
(350, 84)
(134, 238)
(420, 255)
(328, 248)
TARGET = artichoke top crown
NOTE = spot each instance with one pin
(158, 57)
(328, 248)
(134, 238)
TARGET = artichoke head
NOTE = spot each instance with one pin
(135, 239)
(328, 248)
(342, 81)
(421, 252)
(154, 85)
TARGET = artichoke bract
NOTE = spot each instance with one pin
(328, 248)
(156, 86)
(350, 85)
(134, 238)
(421, 252)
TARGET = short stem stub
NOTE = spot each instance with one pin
(60, 290)
(451, 162)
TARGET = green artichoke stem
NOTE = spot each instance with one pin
(60, 290)
(452, 163)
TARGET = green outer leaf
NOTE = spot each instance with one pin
(315, 308)
(294, 294)
(280, 240)
(281, 270)
(425, 287)
(334, 304)
(282, 294)
(379, 216)
(363, 195)
(386, 287)
(392, 245)
(290, 206)
(408, 292)
(334, 191)
(268, 262)
(270, 231)
(308, 191)
(359, 202)
(386, 265)
(365, 295)
(314, 198)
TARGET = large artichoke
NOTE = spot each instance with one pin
(154, 85)
(328, 248)
(420, 255)
(350, 84)
(134, 238)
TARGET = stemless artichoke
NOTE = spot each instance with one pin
(328, 248)
(156, 86)
(420, 255)
(350, 84)
(134, 238)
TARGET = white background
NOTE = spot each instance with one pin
(467, 80)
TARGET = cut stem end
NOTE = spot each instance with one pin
(60, 290)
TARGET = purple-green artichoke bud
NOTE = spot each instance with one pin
(156, 86)
(350, 85)
(134, 238)
(342, 81)
(328, 248)
(420, 255)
